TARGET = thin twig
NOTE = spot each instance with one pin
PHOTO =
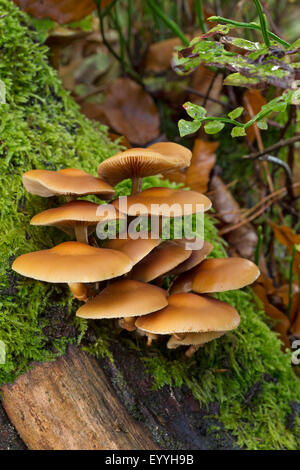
(209, 98)
(281, 143)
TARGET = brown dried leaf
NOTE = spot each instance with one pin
(159, 55)
(255, 100)
(61, 11)
(287, 237)
(244, 238)
(201, 82)
(128, 110)
(203, 161)
(282, 323)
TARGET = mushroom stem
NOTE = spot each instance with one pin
(79, 291)
(191, 350)
(136, 185)
(128, 323)
(81, 233)
(150, 338)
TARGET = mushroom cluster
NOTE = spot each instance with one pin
(123, 277)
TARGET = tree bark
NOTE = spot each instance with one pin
(70, 405)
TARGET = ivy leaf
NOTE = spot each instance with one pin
(2, 352)
(188, 127)
(194, 110)
(2, 93)
(238, 132)
(213, 127)
(262, 124)
(236, 112)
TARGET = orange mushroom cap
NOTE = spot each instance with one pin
(69, 181)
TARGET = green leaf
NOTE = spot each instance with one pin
(236, 112)
(212, 127)
(262, 124)
(188, 127)
(236, 79)
(194, 110)
(2, 352)
(2, 93)
(279, 107)
(238, 132)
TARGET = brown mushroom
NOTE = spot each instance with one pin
(125, 299)
(136, 249)
(222, 274)
(190, 313)
(73, 263)
(135, 163)
(67, 182)
(163, 202)
(160, 261)
(77, 217)
(216, 275)
(196, 258)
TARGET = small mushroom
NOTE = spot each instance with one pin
(67, 182)
(77, 217)
(164, 202)
(125, 299)
(196, 258)
(73, 263)
(136, 249)
(216, 275)
(222, 274)
(136, 163)
(187, 314)
(195, 340)
(160, 261)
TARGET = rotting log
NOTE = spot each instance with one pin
(79, 403)
(70, 405)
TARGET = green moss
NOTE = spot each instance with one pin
(41, 127)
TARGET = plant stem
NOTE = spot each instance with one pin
(263, 22)
(200, 16)
(258, 246)
(288, 310)
(240, 24)
(170, 23)
(278, 145)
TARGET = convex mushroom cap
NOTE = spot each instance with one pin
(73, 262)
(67, 182)
(197, 256)
(190, 313)
(163, 202)
(136, 249)
(223, 274)
(73, 213)
(140, 162)
(160, 261)
(125, 298)
(216, 275)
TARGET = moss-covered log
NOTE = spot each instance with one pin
(244, 376)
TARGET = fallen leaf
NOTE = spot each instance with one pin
(203, 161)
(206, 82)
(244, 238)
(255, 99)
(287, 237)
(61, 11)
(159, 55)
(128, 110)
(282, 323)
(295, 329)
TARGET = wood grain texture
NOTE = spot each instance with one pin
(70, 405)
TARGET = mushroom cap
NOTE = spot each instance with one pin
(159, 202)
(136, 249)
(183, 283)
(125, 298)
(190, 313)
(140, 162)
(74, 212)
(69, 181)
(222, 274)
(196, 258)
(197, 339)
(160, 261)
(73, 262)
